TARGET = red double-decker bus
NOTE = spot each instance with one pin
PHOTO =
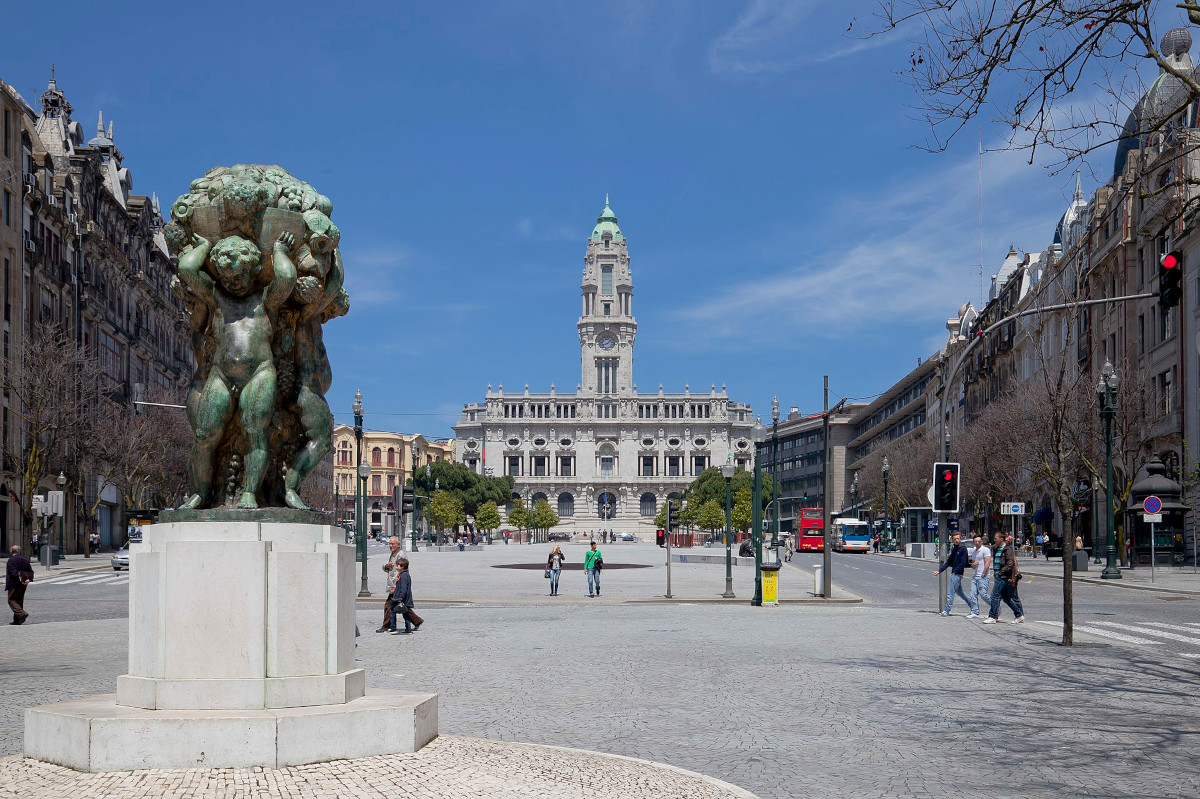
(811, 537)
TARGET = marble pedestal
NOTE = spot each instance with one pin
(241, 653)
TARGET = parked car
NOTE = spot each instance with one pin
(559, 536)
(627, 536)
(120, 558)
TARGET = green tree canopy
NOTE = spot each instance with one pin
(471, 489)
(487, 516)
(711, 516)
(446, 510)
(743, 509)
(710, 485)
(543, 517)
(518, 515)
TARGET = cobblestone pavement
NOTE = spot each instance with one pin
(449, 768)
(796, 701)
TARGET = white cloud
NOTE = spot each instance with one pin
(762, 39)
(907, 250)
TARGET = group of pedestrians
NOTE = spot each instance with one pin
(398, 604)
(1001, 564)
(593, 563)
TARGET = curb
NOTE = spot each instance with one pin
(1115, 583)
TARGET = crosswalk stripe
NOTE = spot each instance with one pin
(1187, 639)
(66, 580)
(1129, 639)
(92, 580)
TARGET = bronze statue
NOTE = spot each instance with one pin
(260, 272)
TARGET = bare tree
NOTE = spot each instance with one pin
(55, 388)
(910, 460)
(995, 453)
(1057, 74)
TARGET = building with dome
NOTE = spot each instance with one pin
(604, 455)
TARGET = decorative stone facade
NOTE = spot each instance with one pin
(604, 456)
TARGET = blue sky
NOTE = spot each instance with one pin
(781, 224)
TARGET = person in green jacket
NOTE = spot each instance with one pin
(593, 562)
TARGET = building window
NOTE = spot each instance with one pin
(376, 488)
(608, 309)
(607, 466)
(674, 465)
(699, 464)
(376, 456)
(647, 464)
(566, 504)
(1164, 392)
(539, 465)
(649, 506)
(606, 505)
(111, 355)
(606, 375)
(1141, 334)
(391, 483)
(391, 456)
(566, 466)
(8, 209)
(1166, 324)
(514, 466)
(606, 281)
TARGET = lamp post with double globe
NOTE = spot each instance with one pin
(775, 475)
(1107, 394)
(362, 472)
(727, 471)
(887, 526)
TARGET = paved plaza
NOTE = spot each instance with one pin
(802, 700)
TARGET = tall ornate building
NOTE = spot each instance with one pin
(605, 455)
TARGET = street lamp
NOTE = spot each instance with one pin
(1106, 392)
(62, 508)
(756, 524)
(727, 471)
(887, 468)
(428, 506)
(437, 486)
(854, 495)
(413, 464)
(1096, 521)
(362, 472)
(775, 475)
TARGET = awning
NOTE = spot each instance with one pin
(1043, 515)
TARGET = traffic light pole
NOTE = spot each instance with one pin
(669, 595)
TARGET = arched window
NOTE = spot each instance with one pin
(376, 457)
(566, 504)
(344, 452)
(649, 504)
(391, 459)
(539, 496)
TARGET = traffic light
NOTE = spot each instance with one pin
(672, 516)
(1170, 279)
(945, 487)
(407, 499)
(660, 538)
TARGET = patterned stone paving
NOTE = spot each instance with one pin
(449, 767)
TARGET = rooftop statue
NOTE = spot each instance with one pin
(260, 272)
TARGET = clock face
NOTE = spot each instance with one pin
(606, 342)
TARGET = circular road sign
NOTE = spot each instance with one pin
(1152, 504)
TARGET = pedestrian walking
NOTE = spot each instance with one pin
(506, 538)
(1004, 566)
(981, 560)
(392, 574)
(17, 576)
(957, 562)
(402, 601)
(554, 568)
(593, 562)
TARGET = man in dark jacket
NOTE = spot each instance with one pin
(957, 563)
(18, 575)
(1004, 566)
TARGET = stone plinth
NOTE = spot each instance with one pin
(97, 734)
(241, 653)
(240, 615)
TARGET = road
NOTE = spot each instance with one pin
(1165, 622)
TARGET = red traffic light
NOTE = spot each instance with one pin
(1170, 261)
(949, 475)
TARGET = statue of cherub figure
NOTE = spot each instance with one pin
(242, 373)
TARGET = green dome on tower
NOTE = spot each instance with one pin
(607, 223)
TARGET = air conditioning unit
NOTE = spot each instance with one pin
(74, 228)
(73, 218)
(52, 200)
(30, 179)
(30, 246)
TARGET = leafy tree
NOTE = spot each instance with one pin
(518, 515)
(710, 485)
(710, 516)
(660, 518)
(487, 516)
(743, 510)
(445, 510)
(543, 517)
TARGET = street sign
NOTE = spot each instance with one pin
(1012, 508)
(931, 526)
(1152, 505)
(954, 525)
(1152, 518)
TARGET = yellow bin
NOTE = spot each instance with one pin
(770, 582)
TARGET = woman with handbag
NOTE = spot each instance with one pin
(554, 568)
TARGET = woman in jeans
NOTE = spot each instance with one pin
(554, 564)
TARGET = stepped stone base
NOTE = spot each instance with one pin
(96, 734)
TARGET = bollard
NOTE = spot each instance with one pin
(818, 580)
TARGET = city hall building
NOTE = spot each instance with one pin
(604, 456)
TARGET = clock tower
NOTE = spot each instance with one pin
(607, 327)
